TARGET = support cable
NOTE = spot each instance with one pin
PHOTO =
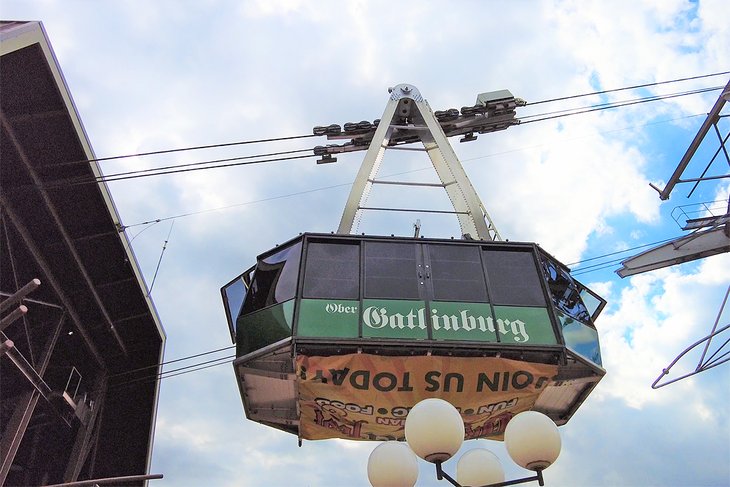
(181, 359)
(175, 169)
(607, 106)
(294, 137)
(227, 207)
(215, 164)
(645, 85)
(192, 213)
(199, 147)
(621, 251)
(164, 247)
(152, 378)
(201, 163)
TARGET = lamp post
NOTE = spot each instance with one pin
(435, 431)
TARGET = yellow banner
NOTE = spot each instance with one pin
(367, 397)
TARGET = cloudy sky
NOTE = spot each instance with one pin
(153, 75)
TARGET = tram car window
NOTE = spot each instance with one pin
(391, 270)
(332, 270)
(456, 273)
(275, 279)
(513, 277)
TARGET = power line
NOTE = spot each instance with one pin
(162, 254)
(645, 85)
(574, 138)
(610, 263)
(215, 164)
(606, 106)
(195, 164)
(199, 368)
(598, 267)
(181, 359)
(294, 137)
(199, 147)
(124, 176)
(172, 169)
(622, 251)
(209, 210)
(189, 367)
(152, 378)
(134, 175)
(323, 188)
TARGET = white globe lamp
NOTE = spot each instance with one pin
(434, 430)
(479, 467)
(392, 464)
(532, 440)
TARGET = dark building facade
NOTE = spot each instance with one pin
(81, 347)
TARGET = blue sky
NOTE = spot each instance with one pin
(156, 75)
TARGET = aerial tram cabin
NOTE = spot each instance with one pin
(338, 335)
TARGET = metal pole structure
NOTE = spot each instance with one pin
(18, 295)
(35, 251)
(407, 112)
(693, 146)
(441, 475)
(15, 428)
(62, 229)
(28, 371)
(5, 346)
(10, 318)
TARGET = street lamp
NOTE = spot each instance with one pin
(435, 431)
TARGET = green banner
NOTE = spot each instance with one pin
(410, 320)
(394, 319)
(332, 318)
(462, 321)
(520, 325)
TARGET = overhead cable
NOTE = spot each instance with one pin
(645, 85)
(208, 210)
(294, 137)
(193, 148)
(216, 164)
(135, 175)
(213, 161)
(622, 251)
(610, 263)
(152, 378)
(323, 188)
(608, 105)
(181, 359)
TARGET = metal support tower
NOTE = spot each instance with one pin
(408, 118)
(710, 236)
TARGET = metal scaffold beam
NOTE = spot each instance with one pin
(409, 119)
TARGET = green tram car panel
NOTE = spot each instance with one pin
(327, 294)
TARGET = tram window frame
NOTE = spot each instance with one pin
(402, 282)
(593, 308)
(316, 278)
(228, 298)
(447, 283)
(525, 288)
(279, 287)
(563, 290)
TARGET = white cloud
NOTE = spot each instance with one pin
(652, 321)
(174, 74)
